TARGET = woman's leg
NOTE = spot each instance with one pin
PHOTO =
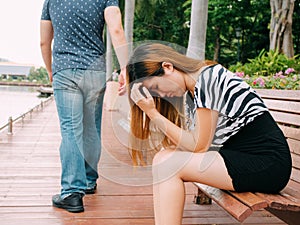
(172, 168)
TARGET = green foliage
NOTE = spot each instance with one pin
(287, 82)
(270, 70)
(40, 75)
(168, 20)
(224, 17)
(187, 6)
(267, 63)
(160, 20)
(296, 27)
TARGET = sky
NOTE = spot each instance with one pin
(19, 31)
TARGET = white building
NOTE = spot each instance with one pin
(14, 70)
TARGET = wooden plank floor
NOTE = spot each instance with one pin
(30, 175)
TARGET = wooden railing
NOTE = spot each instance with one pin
(11, 121)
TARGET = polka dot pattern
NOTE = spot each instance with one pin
(78, 30)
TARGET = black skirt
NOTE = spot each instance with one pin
(258, 158)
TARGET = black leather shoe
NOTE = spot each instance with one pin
(72, 203)
(92, 190)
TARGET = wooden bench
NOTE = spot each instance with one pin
(284, 105)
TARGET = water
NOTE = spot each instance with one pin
(16, 100)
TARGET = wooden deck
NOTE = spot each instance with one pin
(30, 175)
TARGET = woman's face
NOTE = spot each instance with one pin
(166, 85)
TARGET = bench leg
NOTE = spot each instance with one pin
(201, 198)
(290, 217)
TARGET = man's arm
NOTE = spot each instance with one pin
(46, 37)
(113, 20)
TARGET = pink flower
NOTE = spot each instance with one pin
(260, 81)
(289, 70)
(279, 75)
(240, 74)
(295, 77)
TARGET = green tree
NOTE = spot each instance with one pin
(296, 27)
(39, 74)
(281, 26)
(169, 20)
(225, 18)
(160, 20)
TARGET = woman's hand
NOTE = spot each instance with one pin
(142, 100)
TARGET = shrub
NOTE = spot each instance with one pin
(270, 70)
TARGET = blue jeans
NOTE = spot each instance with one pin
(79, 99)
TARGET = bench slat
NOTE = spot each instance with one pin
(296, 160)
(286, 118)
(291, 132)
(250, 199)
(292, 189)
(280, 202)
(294, 146)
(279, 94)
(233, 206)
(295, 175)
(284, 106)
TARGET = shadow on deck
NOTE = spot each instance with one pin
(30, 175)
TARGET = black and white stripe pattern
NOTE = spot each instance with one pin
(237, 103)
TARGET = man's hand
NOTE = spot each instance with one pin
(122, 82)
(50, 76)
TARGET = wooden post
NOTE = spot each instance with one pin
(10, 126)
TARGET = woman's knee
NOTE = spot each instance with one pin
(168, 163)
(162, 156)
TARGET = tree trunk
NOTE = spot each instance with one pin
(128, 23)
(217, 45)
(109, 59)
(196, 46)
(281, 26)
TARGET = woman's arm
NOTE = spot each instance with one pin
(197, 140)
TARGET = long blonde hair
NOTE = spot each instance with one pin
(146, 61)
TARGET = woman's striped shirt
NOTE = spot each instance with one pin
(237, 103)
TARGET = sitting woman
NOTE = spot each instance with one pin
(253, 153)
